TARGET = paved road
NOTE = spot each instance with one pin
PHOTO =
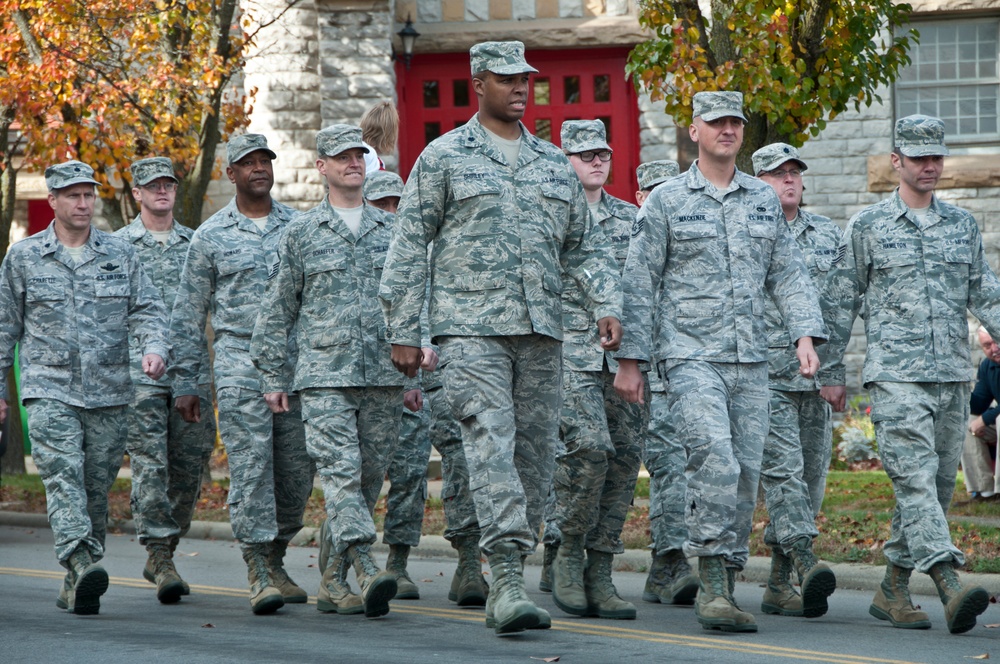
(214, 624)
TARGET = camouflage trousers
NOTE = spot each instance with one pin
(604, 438)
(446, 436)
(920, 428)
(796, 459)
(167, 456)
(404, 506)
(78, 452)
(720, 411)
(351, 433)
(270, 471)
(506, 394)
(665, 461)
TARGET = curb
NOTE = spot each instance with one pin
(849, 575)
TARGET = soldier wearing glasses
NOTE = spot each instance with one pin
(167, 454)
(602, 435)
(797, 450)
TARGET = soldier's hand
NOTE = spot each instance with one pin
(428, 359)
(629, 383)
(3, 411)
(611, 332)
(835, 395)
(406, 359)
(277, 401)
(189, 406)
(976, 426)
(413, 400)
(808, 359)
(153, 366)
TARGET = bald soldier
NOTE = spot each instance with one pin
(507, 217)
(708, 248)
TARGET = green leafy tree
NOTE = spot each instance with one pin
(798, 63)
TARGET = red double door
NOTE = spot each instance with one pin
(436, 96)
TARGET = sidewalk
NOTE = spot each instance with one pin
(849, 575)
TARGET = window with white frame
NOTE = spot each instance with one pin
(955, 75)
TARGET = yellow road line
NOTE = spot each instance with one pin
(473, 616)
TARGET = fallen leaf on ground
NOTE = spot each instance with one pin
(547, 659)
(985, 655)
(208, 625)
(993, 626)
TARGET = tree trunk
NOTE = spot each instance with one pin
(8, 178)
(12, 462)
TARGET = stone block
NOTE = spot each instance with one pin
(523, 9)
(428, 11)
(477, 10)
(500, 10)
(570, 8)
(371, 87)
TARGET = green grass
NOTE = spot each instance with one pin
(854, 524)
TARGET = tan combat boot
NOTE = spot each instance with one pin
(173, 548)
(670, 580)
(90, 581)
(169, 585)
(377, 587)
(892, 601)
(715, 606)
(264, 597)
(567, 576)
(291, 593)
(508, 608)
(603, 599)
(62, 601)
(816, 579)
(961, 603)
(780, 597)
(468, 587)
(548, 557)
(396, 563)
(335, 594)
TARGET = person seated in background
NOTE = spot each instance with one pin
(980, 451)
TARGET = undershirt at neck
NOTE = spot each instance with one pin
(76, 253)
(351, 217)
(920, 213)
(163, 236)
(509, 148)
(259, 222)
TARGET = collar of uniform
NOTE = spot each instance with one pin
(696, 180)
(50, 243)
(897, 208)
(233, 217)
(475, 138)
(616, 207)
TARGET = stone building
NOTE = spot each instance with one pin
(330, 60)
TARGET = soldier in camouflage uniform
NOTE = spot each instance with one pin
(227, 267)
(508, 218)
(670, 579)
(325, 285)
(917, 265)
(707, 248)
(167, 453)
(602, 436)
(407, 472)
(71, 296)
(797, 451)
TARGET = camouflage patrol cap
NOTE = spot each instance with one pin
(337, 138)
(714, 105)
(503, 58)
(242, 145)
(582, 135)
(771, 156)
(656, 172)
(920, 136)
(145, 171)
(67, 174)
(383, 184)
